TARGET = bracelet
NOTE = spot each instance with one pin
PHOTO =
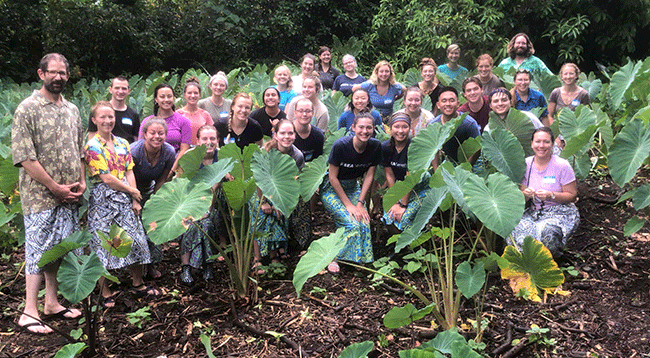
(363, 202)
(401, 205)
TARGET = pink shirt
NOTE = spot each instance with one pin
(557, 173)
(197, 119)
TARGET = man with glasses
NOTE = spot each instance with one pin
(127, 121)
(521, 51)
(47, 142)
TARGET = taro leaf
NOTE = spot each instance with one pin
(581, 166)
(606, 131)
(454, 185)
(242, 160)
(593, 87)
(235, 193)
(463, 350)
(311, 177)
(70, 350)
(499, 205)
(411, 78)
(329, 141)
(190, 162)
(357, 350)
(470, 279)
(9, 175)
(504, 151)
(402, 316)
(78, 276)
(444, 341)
(546, 83)
(5, 216)
(642, 197)
(426, 144)
(166, 214)
(420, 353)
(320, 253)
(633, 225)
(467, 148)
(213, 173)
(335, 106)
(573, 123)
(579, 143)
(276, 176)
(430, 205)
(531, 268)
(621, 81)
(118, 242)
(76, 240)
(519, 124)
(401, 188)
(630, 148)
(205, 340)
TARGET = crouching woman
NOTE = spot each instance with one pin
(550, 183)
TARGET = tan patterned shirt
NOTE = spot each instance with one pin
(53, 136)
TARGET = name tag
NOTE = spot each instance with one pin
(121, 151)
(575, 103)
(127, 121)
(548, 180)
(388, 101)
(223, 115)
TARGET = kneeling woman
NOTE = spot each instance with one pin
(394, 159)
(271, 227)
(114, 199)
(551, 183)
(350, 159)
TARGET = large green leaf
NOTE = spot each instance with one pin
(357, 350)
(5, 215)
(401, 188)
(581, 165)
(276, 176)
(329, 141)
(118, 242)
(546, 83)
(593, 86)
(166, 214)
(447, 342)
(470, 279)
(642, 197)
(573, 123)
(402, 316)
(335, 106)
(213, 173)
(467, 148)
(426, 144)
(531, 268)
(9, 175)
(430, 205)
(420, 353)
(504, 151)
(70, 350)
(633, 225)
(499, 205)
(238, 192)
(621, 81)
(630, 148)
(190, 162)
(454, 181)
(78, 276)
(311, 177)
(76, 240)
(444, 340)
(518, 124)
(580, 143)
(242, 160)
(320, 253)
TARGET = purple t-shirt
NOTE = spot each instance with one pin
(557, 173)
(179, 130)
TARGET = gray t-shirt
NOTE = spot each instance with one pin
(581, 98)
(216, 112)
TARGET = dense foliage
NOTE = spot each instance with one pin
(138, 36)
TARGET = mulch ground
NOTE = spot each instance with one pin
(605, 315)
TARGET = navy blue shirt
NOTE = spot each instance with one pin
(312, 146)
(344, 83)
(397, 161)
(351, 163)
(468, 129)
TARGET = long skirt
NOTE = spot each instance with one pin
(552, 226)
(45, 229)
(194, 242)
(358, 247)
(412, 208)
(273, 233)
(106, 207)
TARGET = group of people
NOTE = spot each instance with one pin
(128, 160)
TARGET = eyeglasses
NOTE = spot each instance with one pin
(54, 73)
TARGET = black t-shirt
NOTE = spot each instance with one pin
(251, 134)
(312, 146)
(327, 78)
(394, 160)
(434, 95)
(127, 124)
(352, 164)
(264, 120)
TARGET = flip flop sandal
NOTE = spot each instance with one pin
(25, 328)
(60, 315)
(144, 290)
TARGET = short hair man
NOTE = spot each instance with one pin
(521, 51)
(477, 105)
(47, 144)
(127, 121)
(448, 106)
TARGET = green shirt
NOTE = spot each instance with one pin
(533, 63)
(53, 136)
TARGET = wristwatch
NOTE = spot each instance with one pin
(363, 202)
(399, 202)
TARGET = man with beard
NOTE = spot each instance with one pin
(127, 121)
(47, 145)
(521, 51)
